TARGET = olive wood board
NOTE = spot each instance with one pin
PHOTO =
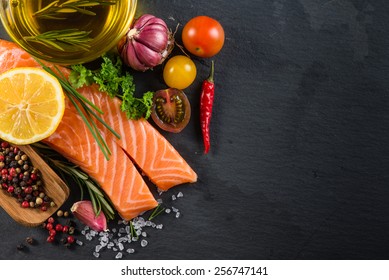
(54, 187)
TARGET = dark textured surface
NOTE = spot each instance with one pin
(298, 167)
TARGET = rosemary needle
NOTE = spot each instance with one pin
(71, 39)
(54, 10)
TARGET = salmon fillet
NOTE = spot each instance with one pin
(143, 143)
(140, 142)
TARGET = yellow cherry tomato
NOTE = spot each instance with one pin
(179, 72)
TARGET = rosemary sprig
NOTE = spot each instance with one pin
(132, 230)
(157, 210)
(99, 200)
(71, 39)
(85, 108)
(57, 11)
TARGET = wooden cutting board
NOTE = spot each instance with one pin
(55, 188)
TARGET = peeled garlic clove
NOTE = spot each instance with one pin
(83, 211)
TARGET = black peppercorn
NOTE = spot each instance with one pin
(30, 240)
(20, 247)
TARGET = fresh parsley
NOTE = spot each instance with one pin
(116, 82)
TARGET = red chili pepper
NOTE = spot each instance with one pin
(206, 104)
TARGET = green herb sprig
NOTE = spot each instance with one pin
(113, 80)
(99, 200)
(58, 11)
(88, 111)
(157, 211)
(63, 40)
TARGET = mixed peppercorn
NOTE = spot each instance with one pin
(55, 229)
(21, 179)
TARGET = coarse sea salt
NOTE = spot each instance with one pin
(127, 232)
(144, 243)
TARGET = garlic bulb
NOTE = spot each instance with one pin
(147, 43)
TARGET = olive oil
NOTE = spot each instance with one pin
(67, 31)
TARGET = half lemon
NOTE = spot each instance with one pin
(32, 104)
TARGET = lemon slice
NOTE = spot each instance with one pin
(32, 104)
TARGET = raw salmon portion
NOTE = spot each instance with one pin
(143, 143)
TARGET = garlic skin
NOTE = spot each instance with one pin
(147, 43)
(83, 211)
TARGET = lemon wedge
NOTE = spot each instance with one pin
(32, 104)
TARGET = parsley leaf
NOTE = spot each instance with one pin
(116, 83)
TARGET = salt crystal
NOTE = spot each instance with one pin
(180, 194)
(160, 226)
(122, 230)
(143, 243)
(79, 242)
(148, 223)
(174, 209)
(114, 249)
(127, 229)
(159, 200)
(93, 233)
(86, 228)
(88, 237)
(98, 248)
(83, 232)
(121, 246)
(122, 239)
(114, 230)
(174, 197)
(138, 232)
(178, 215)
(168, 210)
(120, 222)
(119, 255)
(134, 238)
(160, 192)
(125, 222)
(130, 251)
(96, 255)
(144, 234)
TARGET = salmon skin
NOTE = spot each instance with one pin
(140, 143)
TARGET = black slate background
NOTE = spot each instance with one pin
(299, 157)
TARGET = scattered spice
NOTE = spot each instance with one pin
(59, 213)
(20, 247)
(30, 240)
(64, 233)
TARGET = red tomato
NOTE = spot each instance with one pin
(203, 36)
